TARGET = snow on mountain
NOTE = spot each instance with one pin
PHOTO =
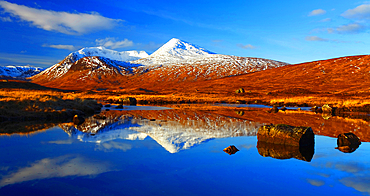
(175, 61)
(174, 51)
(110, 54)
(180, 59)
(19, 71)
(61, 68)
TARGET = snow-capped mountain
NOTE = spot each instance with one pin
(12, 71)
(61, 68)
(176, 61)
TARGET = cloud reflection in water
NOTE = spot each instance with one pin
(63, 166)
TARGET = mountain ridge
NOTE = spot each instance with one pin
(176, 61)
(19, 72)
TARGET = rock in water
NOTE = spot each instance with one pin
(286, 134)
(240, 90)
(348, 142)
(78, 120)
(281, 151)
(327, 109)
(129, 101)
(275, 109)
(231, 150)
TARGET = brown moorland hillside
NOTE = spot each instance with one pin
(341, 81)
(333, 76)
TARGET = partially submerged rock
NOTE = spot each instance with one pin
(240, 113)
(286, 134)
(78, 120)
(240, 102)
(240, 90)
(231, 150)
(119, 107)
(129, 101)
(348, 142)
(275, 109)
(326, 109)
(281, 151)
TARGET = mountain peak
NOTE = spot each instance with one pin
(180, 49)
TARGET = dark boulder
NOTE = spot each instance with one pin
(326, 109)
(231, 150)
(286, 134)
(129, 101)
(348, 142)
(240, 90)
(240, 102)
(78, 120)
(119, 107)
(316, 109)
(275, 109)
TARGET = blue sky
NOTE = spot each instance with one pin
(41, 33)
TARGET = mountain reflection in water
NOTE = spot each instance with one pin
(121, 154)
(174, 130)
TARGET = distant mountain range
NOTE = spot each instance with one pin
(176, 61)
(19, 72)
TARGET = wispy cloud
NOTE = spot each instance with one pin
(27, 59)
(217, 40)
(113, 44)
(319, 39)
(360, 12)
(6, 19)
(247, 46)
(63, 22)
(316, 182)
(325, 20)
(315, 38)
(56, 167)
(350, 28)
(151, 46)
(317, 12)
(109, 146)
(64, 47)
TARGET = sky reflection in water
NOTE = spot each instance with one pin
(178, 153)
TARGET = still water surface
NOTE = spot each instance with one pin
(175, 152)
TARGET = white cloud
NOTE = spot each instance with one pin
(247, 46)
(28, 59)
(316, 182)
(63, 22)
(319, 39)
(360, 12)
(6, 19)
(350, 28)
(56, 167)
(315, 38)
(108, 146)
(360, 183)
(325, 20)
(113, 44)
(64, 47)
(317, 12)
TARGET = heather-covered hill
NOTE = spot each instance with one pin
(334, 76)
